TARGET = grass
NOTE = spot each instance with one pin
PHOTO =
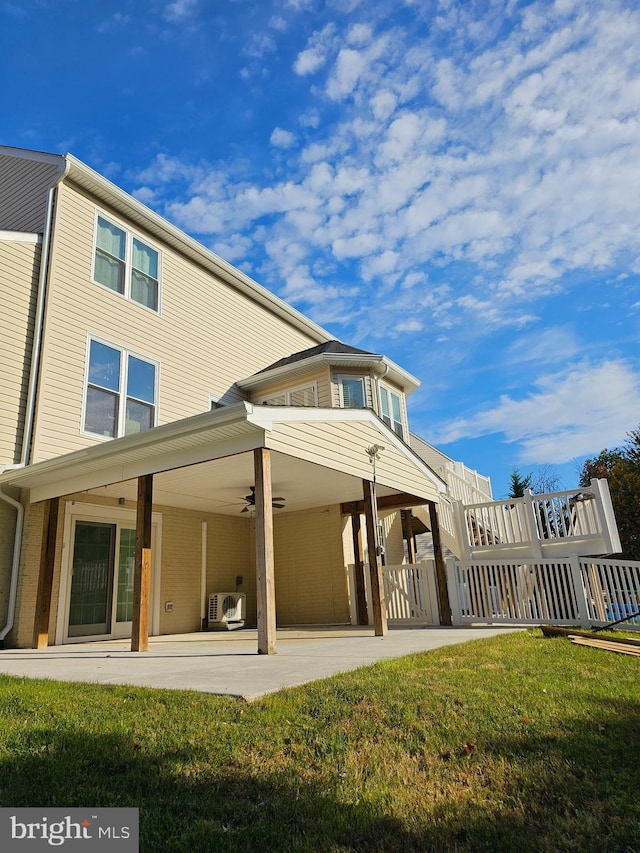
(518, 743)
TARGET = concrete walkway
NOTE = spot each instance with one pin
(227, 663)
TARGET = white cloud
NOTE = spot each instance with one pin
(579, 411)
(179, 10)
(282, 138)
(512, 153)
(315, 55)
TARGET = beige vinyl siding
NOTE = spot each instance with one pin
(341, 447)
(320, 377)
(207, 336)
(23, 199)
(310, 576)
(19, 269)
(337, 372)
(394, 542)
(431, 455)
(231, 552)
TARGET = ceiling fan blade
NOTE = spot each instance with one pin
(278, 506)
(274, 498)
(245, 509)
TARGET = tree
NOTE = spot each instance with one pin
(601, 466)
(546, 480)
(518, 484)
(621, 467)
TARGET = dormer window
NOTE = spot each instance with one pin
(352, 392)
(305, 395)
(391, 410)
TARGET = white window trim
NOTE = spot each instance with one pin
(75, 511)
(122, 395)
(129, 238)
(351, 376)
(289, 391)
(400, 396)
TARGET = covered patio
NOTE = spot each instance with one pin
(227, 663)
(313, 457)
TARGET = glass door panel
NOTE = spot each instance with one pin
(126, 568)
(91, 584)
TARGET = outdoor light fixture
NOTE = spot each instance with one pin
(373, 454)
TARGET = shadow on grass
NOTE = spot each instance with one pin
(577, 791)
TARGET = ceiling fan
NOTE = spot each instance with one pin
(251, 501)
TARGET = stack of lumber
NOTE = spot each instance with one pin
(622, 645)
(610, 644)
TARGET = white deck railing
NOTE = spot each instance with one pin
(562, 592)
(554, 524)
(410, 593)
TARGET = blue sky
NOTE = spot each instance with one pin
(454, 184)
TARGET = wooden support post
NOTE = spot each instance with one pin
(441, 575)
(407, 530)
(358, 570)
(142, 571)
(265, 571)
(45, 577)
(375, 563)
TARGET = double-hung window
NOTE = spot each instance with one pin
(391, 410)
(121, 392)
(126, 264)
(352, 392)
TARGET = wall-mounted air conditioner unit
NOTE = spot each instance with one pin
(226, 610)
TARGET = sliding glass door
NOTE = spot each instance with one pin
(101, 600)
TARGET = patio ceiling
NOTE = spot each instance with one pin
(220, 486)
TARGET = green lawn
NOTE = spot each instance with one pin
(517, 743)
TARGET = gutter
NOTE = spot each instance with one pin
(27, 434)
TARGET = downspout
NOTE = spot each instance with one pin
(27, 435)
(15, 563)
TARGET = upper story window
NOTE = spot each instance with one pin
(391, 410)
(126, 264)
(121, 392)
(352, 392)
(306, 395)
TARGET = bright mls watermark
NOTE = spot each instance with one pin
(69, 829)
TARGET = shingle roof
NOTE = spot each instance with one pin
(335, 347)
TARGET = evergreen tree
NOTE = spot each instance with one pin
(518, 484)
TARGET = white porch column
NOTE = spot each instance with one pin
(265, 572)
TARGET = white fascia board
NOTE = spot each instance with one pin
(266, 417)
(110, 454)
(28, 154)
(382, 365)
(20, 237)
(139, 212)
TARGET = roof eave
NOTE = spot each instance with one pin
(382, 366)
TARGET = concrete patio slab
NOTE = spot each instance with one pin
(228, 663)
